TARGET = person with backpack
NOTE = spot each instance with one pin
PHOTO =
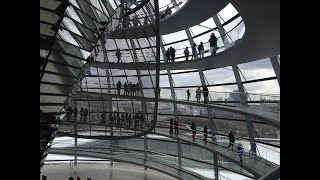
(213, 43)
(118, 54)
(172, 54)
(240, 152)
(194, 132)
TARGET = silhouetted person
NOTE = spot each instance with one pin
(69, 113)
(168, 55)
(205, 92)
(145, 22)
(240, 152)
(135, 21)
(172, 54)
(111, 120)
(119, 87)
(71, 178)
(205, 133)
(44, 177)
(213, 44)
(168, 11)
(129, 120)
(194, 132)
(231, 140)
(141, 120)
(78, 178)
(188, 94)
(194, 51)
(198, 94)
(118, 118)
(201, 50)
(103, 118)
(126, 21)
(133, 89)
(122, 118)
(118, 54)
(75, 113)
(130, 88)
(176, 126)
(186, 53)
(171, 126)
(81, 114)
(125, 89)
(85, 114)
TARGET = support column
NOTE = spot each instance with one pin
(216, 166)
(143, 102)
(145, 150)
(221, 30)
(105, 58)
(209, 110)
(75, 143)
(244, 102)
(174, 104)
(276, 67)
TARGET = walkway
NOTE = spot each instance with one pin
(261, 39)
(267, 117)
(149, 161)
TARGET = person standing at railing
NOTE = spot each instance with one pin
(172, 54)
(201, 50)
(125, 89)
(75, 113)
(188, 94)
(69, 113)
(198, 94)
(205, 92)
(168, 55)
(240, 152)
(176, 126)
(168, 11)
(85, 114)
(138, 89)
(194, 132)
(133, 89)
(129, 120)
(81, 114)
(118, 54)
(205, 133)
(186, 53)
(103, 118)
(194, 51)
(119, 87)
(145, 22)
(122, 119)
(231, 140)
(135, 21)
(130, 88)
(171, 126)
(213, 43)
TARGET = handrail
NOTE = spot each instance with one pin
(218, 133)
